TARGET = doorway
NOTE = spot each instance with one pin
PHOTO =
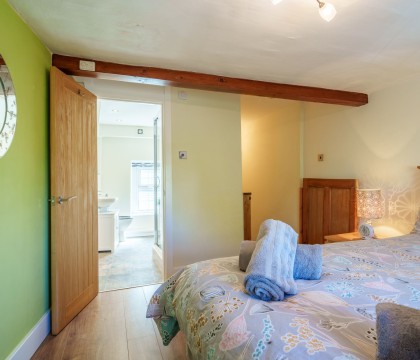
(129, 193)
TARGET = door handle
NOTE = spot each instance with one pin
(61, 200)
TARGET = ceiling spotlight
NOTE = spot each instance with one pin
(326, 10)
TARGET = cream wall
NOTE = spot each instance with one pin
(271, 159)
(203, 194)
(377, 143)
(207, 217)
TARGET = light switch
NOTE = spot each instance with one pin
(182, 154)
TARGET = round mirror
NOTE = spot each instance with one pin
(7, 108)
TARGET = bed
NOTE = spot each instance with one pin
(330, 318)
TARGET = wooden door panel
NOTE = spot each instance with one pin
(74, 223)
(341, 222)
(328, 207)
(314, 216)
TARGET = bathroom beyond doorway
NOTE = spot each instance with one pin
(131, 264)
(129, 171)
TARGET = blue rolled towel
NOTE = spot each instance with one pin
(308, 260)
(269, 275)
(264, 288)
(398, 331)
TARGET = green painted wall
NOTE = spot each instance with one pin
(24, 239)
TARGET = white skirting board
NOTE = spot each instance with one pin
(33, 339)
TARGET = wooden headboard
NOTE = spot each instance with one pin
(328, 207)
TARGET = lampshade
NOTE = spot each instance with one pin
(327, 11)
(369, 203)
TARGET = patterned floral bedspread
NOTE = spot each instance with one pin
(332, 318)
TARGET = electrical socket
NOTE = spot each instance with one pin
(87, 65)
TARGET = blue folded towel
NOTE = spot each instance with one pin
(398, 330)
(308, 260)
(270, 271)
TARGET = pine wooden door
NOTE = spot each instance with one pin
(328, 207)
(74, 201)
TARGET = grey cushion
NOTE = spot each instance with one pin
(398, 329)
(245, 253)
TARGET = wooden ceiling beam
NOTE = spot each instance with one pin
(165, 77)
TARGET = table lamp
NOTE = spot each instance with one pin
(368, 208)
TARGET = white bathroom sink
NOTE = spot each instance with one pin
(105, 202)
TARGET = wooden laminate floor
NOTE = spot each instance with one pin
(113, 326)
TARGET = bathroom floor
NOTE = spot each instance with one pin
(130, 265)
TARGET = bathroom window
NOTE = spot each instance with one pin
(142, 188)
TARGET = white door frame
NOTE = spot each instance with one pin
(168, 266)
